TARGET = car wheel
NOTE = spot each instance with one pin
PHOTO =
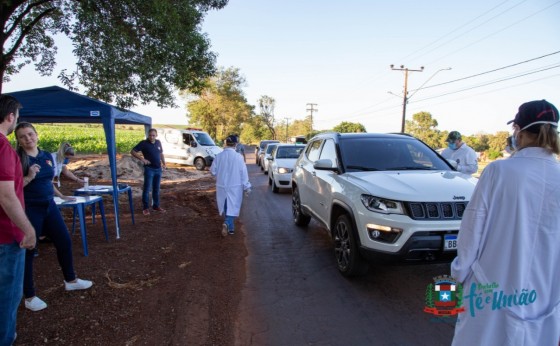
(274, 186)
(346, 245)
(200, 164)
(269, 180)
(300, 218)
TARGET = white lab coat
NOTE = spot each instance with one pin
(510, 236)
(465, 157)
(231, 180)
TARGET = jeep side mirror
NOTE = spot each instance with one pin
(193, 144)
(324, 164)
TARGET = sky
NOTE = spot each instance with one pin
(337, 56)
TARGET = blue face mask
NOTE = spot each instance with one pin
(65, 162)
(452, 145)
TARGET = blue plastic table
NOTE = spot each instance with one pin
(79, 205)
(94, 190)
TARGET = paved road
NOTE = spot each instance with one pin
(294, 294)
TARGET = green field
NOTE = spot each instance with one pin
(86, 138)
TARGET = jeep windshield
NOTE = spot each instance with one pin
(203, 139)
(388, 154)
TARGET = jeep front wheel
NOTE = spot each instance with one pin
(346, 248)
(300, 218)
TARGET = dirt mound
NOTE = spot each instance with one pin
(129, 171)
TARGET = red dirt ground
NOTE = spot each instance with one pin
(170, 280)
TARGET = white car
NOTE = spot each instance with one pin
(265, 154)
(380, 197)
(281, 165)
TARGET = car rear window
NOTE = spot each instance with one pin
(289, 152)
(385, 154)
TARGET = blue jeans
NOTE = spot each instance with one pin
(12, 261)
(152, 178)
(229, 220)
(47, 220)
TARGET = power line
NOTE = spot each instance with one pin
(478, 26)
(466, 89)
(487, 72)
(490, 83)
(486, 92)
(456, 29)
(495, 32)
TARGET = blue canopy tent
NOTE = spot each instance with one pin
(58, 105)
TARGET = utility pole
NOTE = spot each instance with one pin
(311, 110)
(405, 94)
(287, 139)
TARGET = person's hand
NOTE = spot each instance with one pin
(33, 170)
(29, 241)
(146, 162)
(248, 192)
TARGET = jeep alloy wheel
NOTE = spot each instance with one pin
(300, 218)
(348, 259)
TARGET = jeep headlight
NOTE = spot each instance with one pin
(382, 205)
(209, 152)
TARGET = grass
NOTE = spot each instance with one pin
(86, 138)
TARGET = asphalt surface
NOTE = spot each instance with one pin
(294, 295)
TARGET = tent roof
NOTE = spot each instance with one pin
(57, 105)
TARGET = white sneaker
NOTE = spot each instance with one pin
(78, 285)
(35, 304)
(224, 230)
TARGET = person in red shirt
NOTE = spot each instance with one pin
(16, 232)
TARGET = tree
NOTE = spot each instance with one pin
(424, 127)
(127, 50)
(221, 109)
(349, 127)
(266, 105)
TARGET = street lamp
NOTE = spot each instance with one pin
(432, 76)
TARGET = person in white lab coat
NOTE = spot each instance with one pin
(459, 152)
(231, 180)
(508, 256)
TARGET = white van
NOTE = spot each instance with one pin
(191, 147)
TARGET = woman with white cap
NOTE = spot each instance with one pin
(508, 256)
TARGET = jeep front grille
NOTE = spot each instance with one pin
(436, 210)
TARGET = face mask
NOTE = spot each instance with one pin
(66, 160)
(452, 146)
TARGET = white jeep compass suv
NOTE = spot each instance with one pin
(380, 196)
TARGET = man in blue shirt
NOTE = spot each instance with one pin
(149, 151)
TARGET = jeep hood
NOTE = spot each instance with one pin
(416, 186)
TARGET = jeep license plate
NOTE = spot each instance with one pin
(450, 242)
